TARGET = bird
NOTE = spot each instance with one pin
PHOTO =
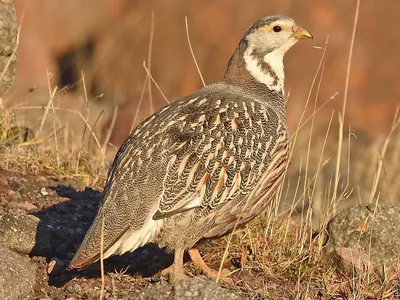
(204, 164)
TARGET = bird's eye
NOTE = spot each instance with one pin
(277, 28)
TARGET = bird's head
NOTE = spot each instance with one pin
(261, 50)
(275, 33)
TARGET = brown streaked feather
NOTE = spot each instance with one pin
(215, 164)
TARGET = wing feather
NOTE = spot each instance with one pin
(229, 156)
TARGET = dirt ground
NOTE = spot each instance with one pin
(66, 209)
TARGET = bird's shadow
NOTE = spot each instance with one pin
(62, 228)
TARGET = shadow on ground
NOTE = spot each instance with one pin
(62, 227)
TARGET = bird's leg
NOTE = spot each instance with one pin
(175, 272)
(210, 273)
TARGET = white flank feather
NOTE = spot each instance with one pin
(133, 239)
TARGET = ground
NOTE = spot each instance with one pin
(66, 208)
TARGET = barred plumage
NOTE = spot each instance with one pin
(206, 163)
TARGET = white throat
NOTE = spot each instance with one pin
(274, 80)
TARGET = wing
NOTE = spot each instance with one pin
(222, 149)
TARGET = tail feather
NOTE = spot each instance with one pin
(129, 239)
(89, 250)
(80, 264)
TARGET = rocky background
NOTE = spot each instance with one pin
(109, 41)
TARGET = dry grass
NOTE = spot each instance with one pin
(56, 149)
(277, 255)
(280, 254)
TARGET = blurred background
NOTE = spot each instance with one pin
(108, 40)
(85, 59)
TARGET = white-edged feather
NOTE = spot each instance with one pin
(133, 239)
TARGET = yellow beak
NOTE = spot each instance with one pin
(302, 34)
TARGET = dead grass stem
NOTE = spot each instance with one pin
(342, 114)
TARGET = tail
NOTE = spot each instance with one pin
(89, 250)
(119, 236)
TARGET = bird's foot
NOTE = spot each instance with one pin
(210, 273)
(174, 274)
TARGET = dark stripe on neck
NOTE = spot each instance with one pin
(265, 67)
(237, 74)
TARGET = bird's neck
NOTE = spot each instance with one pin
(252, 69)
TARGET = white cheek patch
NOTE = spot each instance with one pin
(274, 60)
(268, 69)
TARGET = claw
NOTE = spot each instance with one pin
(210, 273)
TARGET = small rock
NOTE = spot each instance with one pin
(188, 294)
(15, 196)
(56, 266)
(194, 289)
(42, 180)
(20, 233)
(43, 191)
(15, 184)
(17, 275)
(3, 181)
(26, 205)
(51, 266)
(366, 237)
(356, 258)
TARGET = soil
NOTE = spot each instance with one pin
(65, 209)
